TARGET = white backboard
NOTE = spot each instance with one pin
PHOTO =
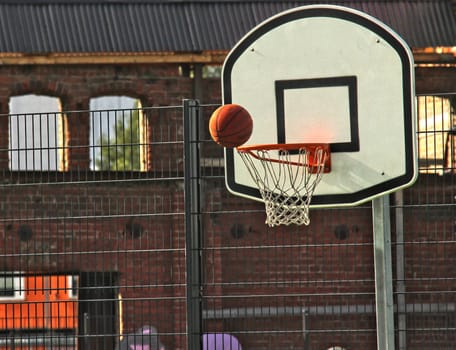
(328, 74)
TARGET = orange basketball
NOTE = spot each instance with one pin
(230, 125)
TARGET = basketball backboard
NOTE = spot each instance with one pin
(327, 74)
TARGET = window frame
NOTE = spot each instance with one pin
(32, 145)
(104, 116)
(18, 286)
(435, 133)
(71, 287)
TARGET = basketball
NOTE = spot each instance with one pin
(230, 125)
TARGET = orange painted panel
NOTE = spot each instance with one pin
(47, 304)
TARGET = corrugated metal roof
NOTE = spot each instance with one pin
(37, 27)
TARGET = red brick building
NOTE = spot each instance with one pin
(123, 233)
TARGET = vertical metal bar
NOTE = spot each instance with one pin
(85, 329)
(383, 273)
(305, 328)
(400, 272)
(192, 223)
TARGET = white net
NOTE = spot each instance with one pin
(286, 182)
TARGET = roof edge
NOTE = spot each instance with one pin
(421, 56)
(206, 57)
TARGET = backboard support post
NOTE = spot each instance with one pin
(384, 304)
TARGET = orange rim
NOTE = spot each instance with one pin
(282, 146)
(290, 147)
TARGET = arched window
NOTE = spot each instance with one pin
(117, 134)
(36, 134)
(436, 133)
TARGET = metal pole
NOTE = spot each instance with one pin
(192, 223)
(383, 273)
(400, 272)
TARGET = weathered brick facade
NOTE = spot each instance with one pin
(136, 230)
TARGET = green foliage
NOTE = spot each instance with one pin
(120, 149)
(212, 71)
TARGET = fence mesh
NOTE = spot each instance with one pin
(94, 244)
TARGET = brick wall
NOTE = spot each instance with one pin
(136, 228)
(435, 80)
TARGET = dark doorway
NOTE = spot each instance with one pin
(98, 310)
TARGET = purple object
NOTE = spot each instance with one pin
(220, 341)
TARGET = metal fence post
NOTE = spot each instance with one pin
(400, 272)
(383, 273)
(192, 223)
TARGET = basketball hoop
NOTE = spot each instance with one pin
(283, 176)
